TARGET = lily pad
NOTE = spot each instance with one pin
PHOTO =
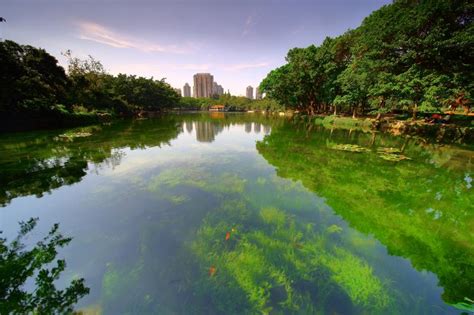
(393, 157)
(350, 148)
(389, 150)
(69, 136)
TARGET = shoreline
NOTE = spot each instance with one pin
(452, 132)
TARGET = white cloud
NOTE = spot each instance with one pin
(243, 66)
(101, 34)
(249, 23)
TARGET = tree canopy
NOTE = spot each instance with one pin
(411, 55)
(32, 81)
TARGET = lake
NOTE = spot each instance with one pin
(246, 214)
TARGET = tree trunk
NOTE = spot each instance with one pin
(415, 109)
(372, 140)
(335, 110)
(354, 113)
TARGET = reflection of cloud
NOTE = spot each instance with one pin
(101, 34)
(242, 66)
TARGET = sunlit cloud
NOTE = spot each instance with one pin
(244, 66)
(149, 68)
(191, 66)
(140, 68)
(101, 34)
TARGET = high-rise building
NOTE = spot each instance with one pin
(258, 95)
(178, 90)
(203, 83)
(217, 89)
(186, 90)
(249, 92)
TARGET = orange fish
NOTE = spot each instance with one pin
(227, 236)
(212, 271)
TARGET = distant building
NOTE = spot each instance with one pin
(217, 89)
(203, 83)
(178, 90)
(258, 95)
(249, 93)
(186, 90)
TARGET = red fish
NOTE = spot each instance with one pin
(227, 236)
(212, 271)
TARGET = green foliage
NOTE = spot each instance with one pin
(234, 103)
(409, 55)
(33, 87)
(18, 265)
(30, 79)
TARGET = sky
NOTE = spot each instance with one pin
(238, 42)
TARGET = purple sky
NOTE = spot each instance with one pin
(239, 42)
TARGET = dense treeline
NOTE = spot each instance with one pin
(32, 84)
(411, 55)
(235, 103)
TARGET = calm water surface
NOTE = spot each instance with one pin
(223, 214)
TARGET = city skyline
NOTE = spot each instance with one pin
(175, 39)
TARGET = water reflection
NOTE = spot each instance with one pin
(421, 211)
(34, 165)
(186, 214)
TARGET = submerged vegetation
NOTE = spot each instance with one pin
(282, 266)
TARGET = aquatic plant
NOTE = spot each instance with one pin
(277, 265)
(349, 147)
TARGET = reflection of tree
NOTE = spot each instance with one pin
(417, 210)
(32, 164)
(33, 167)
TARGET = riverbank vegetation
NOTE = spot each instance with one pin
(406, 57)
(232, 103)
(35, 91)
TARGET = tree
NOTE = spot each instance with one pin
(17, 265)
(413, 55)
(30, 79)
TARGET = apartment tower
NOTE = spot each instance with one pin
(203, 83)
